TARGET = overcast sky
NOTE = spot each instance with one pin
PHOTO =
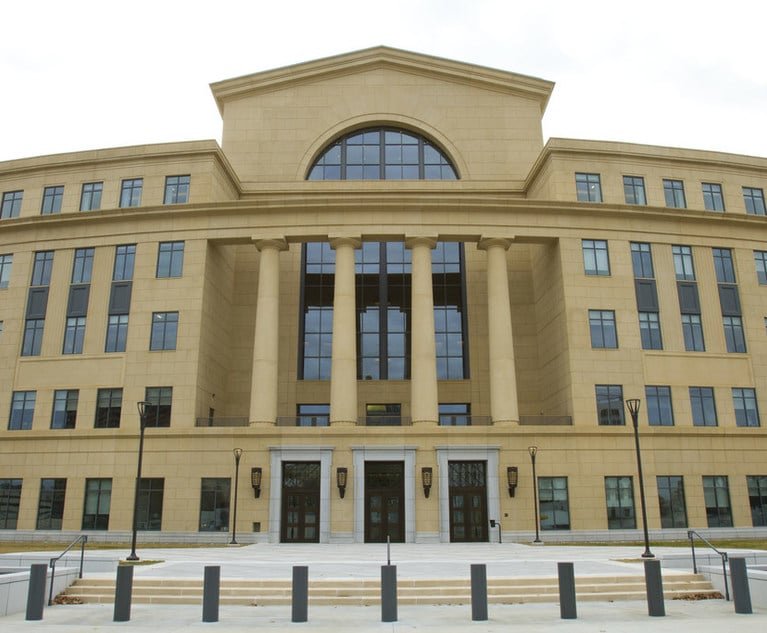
(81, 74)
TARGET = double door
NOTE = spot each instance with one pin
(384, 502)
(468, 501)
(300, 502)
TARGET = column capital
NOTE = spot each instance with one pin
(278, 243)
(420, 240)
(344, 240)
(485, 243)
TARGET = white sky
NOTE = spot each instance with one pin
(86, 74)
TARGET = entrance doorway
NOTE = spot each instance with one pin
(300, 502)
(468, 501)
(384, 502)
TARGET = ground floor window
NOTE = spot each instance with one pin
(716, 492)
(553, 503)
(673, 511)
(214, 504)
(10, 496)
(98, 498)
(757, 497)
(149, 510)
(619, 492)
(50, 507)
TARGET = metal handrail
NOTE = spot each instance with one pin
(82, 539)
(690, 535)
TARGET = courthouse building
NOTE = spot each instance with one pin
(383, 287)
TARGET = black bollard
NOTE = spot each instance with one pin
(123, 593)
(567, 608)
(211, 590)
(478, 593)
(300, 601)
(654, 584)
(38, 575)
(741, 593)
(388, 593)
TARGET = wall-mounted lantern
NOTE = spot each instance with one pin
(341, 475)
(426, 479)
(512, 474)
(255, 481)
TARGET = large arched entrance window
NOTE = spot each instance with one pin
(382, 154)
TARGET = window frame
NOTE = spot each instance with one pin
(611, 394)
(634, 190)
(660, 408)
(64, 401)
(164, 331)
(170, 260)
(701, 404)
(177, 189)
(673, 193)
(131, 190)
(718, 514)
(544, 503)
(54, 499)
(90, 195)
(591, 250)
(10, 501)
(53, 197)
(24, 420)
(650, 333)
(734, 334)
(753, 201)
(101, 487)
(627, 514)
(11, 204)
(603, 329)
(588, 187)
(760, 262)
(746, 416)
(158, 411)
(6, 266)
(108, 417)
(713, 196)
(692, 333)
(671, 484)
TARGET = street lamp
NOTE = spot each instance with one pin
(142, 409)
(533, 450)
(237, 454)
(633, 406)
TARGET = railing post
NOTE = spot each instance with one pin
(53, 575)
(741, 593)
(388, 593)
(211, 590)
(300, 599)
(478, 593)
(84, 540)
(690, 535)
(567, 605)
(38, 574)
(123, 593)
(654, 584)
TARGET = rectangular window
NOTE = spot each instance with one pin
(130, 192)
(214, 504)
(455, 414)
(649, 330)
(82, 267)
(673, 190)
(176, 189)
(733, 334)
(52, 198)
(10, 497)
(692, 330)
(74, 335)
(125, 258)
(619, 493)
(149, 507)
(383, 415)
(602, 328)
(703, 406)
(50, 505)
(683, 266)
(746, 410)
(164, 331)
(11, 204)
(117, 333)
(596, 260)
(712, 197)
(108, 407)
(170, 259)
(33, 337)
(313, 415)
(319, 264)
(449, 313)
(760, 258)
(673, 509)
(98, 498)
(553, 503)
(725, 270)
(90, 198)
(633, 189)
(716, 492)
(754, 200)
(659, 409)
(22, 410)
(42, 268)
(610, 405)
(641, 260)
(64, 414)
(160, 401)
(588, 188)
(6, 261)
(757, 497)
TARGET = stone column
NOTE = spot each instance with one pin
(504, 406)
(266, 348)
(343, 368)
(424, 402)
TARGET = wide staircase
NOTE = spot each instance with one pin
(360, 592)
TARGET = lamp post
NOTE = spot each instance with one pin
(533, 450)
(237, 454)
(142, 407)
(633, 406)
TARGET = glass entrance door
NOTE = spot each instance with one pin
(300, 502)
(384, 502)
(468, 501)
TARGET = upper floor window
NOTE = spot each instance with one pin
(712, 197)
(382, 154)
(11, 204)
(683, 263)
(82, 268)
(610, 405)
(746, 409)
(596, 260)
(659, 409)
(130, 193)
(588, 188)
(760, 259)
(6, 261)
(164, 331)
(176, 189)
(725, 270)
(673, 190)
(22, 410)
(641, 260)
(170, 259)
(754, 200)
(42, 268)
(52, 198)
(158, 410)
(602, 328)
(90, 198)
(125, 257)
(633, 189)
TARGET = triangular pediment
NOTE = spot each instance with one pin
(383, 57)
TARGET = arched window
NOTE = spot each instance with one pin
(382, 154)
